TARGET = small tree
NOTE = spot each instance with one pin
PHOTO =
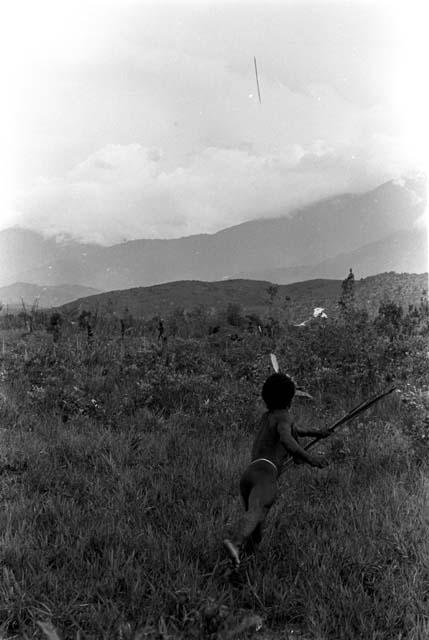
(29, 315)
(280, 307)
(389, 319)
(272, 292)
(347, 301)
(234, 314)
(176, 322)
(126, 321)
(86, 322)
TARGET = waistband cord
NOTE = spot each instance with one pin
(265, 460)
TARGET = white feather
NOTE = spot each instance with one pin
(274, 362)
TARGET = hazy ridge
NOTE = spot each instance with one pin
(372, 232)
(44, 296)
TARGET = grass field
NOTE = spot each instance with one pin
(118, 475)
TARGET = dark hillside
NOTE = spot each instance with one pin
(146, 302)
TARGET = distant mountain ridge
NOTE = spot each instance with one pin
(13, 295)
(23, 251)
(402, 251)
(316, 237)
(252, 295)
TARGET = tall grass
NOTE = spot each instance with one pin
(114, 529)
(104, 529)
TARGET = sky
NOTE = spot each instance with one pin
(130, 119)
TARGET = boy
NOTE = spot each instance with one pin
(276, 439)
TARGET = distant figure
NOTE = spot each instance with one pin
(55, 321)
(85, 323)
(160, 330)
(276, 439)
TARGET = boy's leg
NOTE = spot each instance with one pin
(230, 543)
(258, 494)
(260, 500)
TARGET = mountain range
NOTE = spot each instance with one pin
(380, 230)
(402, 251)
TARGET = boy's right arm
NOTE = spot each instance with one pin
(295, 449)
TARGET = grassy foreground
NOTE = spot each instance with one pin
(112, 529)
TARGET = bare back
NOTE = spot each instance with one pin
(267, 443)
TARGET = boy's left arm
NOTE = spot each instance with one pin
(312, 433)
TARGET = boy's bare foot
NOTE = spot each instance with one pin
(233, 551)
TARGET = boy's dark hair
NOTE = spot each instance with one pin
(278, 391)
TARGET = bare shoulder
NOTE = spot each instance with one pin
(282, 421)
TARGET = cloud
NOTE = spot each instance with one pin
(177, 77)
(143, 118)
(129, 191)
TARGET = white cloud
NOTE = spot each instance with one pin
(143, 118)
(129, 191)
